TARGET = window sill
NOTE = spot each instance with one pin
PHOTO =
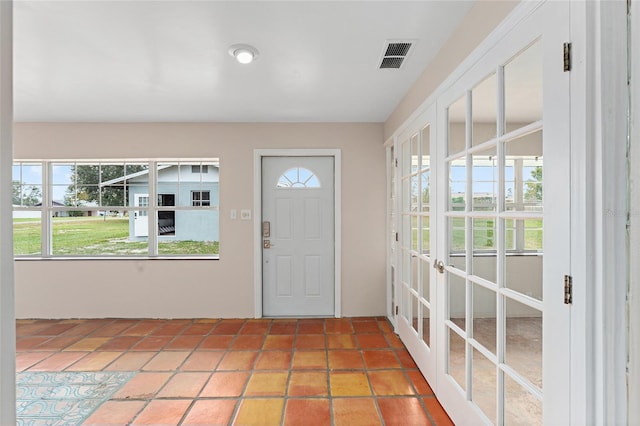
(101, 258)
(508, 254)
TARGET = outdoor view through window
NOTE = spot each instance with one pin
(97, 209)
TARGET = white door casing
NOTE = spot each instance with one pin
(141, 217)
(298, 273)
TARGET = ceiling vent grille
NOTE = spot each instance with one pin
(397, 49)
(391, 62)
(394, 54)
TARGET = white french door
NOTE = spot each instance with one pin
(417, 295)
(484, 243)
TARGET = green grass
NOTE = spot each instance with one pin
(94, 236)
(188, 247)
(26, 236)
(484, 235)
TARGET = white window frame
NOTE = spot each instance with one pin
(200, 200)
(203, 168)
(47, 209)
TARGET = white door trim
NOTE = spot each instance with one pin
(257, 218)
(7, 288)
(633, 409)
(599, 267)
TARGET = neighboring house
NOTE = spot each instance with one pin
(33, 214)
(178, 186)
(24, 214)
(64, 213)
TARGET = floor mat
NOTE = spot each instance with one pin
(63, 398)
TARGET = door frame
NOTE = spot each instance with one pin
(258, 154)
(598, 222)
(633, 295)
(599, 210)
(598, 390)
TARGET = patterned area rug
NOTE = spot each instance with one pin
(66, 398)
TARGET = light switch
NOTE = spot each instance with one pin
(234, 214)
(245, 214)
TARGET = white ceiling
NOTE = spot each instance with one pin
(141, 60)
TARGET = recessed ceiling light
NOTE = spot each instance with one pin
(244, 53)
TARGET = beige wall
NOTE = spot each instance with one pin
(199, 288)
(483, 17)
(224, 288)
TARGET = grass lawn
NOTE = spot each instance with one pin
(484, 235)
(90, 236)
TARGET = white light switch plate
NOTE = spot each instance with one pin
(234, 214)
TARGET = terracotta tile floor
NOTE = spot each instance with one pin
(351, 371)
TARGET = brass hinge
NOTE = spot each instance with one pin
(567, 56)
(568, 289)
(396, 309)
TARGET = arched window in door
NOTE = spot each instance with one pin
(298, 177)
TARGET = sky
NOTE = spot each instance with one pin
(32, 175)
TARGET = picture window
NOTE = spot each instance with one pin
(105, 209)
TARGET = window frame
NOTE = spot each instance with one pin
(200, 201)
(48, 208)
(199, 168)
(518, 229)
(311, 182)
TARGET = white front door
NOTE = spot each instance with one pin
(492, 321)
(298, 236)
(141, 217)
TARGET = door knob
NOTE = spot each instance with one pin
(438, 265)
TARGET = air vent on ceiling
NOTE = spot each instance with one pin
(394, 53)
(391, 62)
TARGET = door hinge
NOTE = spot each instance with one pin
(396, 162)
(396, 309)
(568, 289)
(397, 238)
(567, 57)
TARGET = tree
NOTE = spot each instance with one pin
(87, 188)
(27, 195)
(425, 196)
(533, 191)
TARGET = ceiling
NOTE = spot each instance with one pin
(154, 61)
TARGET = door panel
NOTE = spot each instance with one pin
(298, 253)
(415, 325)
(497, 215)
